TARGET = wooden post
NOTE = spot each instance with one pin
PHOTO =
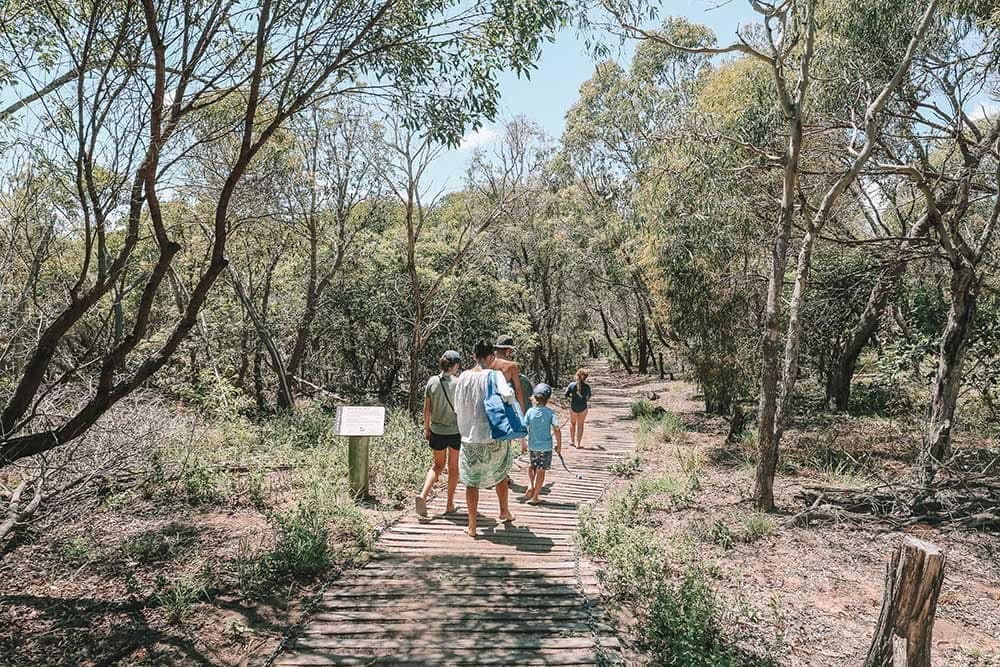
(357, 463)
(912, 584)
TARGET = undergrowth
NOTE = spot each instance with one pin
(680, 619)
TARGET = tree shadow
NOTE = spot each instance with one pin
(114, 631)
(450, 609)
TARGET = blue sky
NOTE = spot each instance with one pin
(553, 87)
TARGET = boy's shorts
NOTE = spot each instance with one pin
(541, 460)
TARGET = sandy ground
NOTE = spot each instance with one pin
(812, 595)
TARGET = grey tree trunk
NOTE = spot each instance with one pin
(948, 379)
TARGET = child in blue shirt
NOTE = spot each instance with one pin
(542, 423)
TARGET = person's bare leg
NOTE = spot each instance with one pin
(472, 504)
(452, 478)
(433, 473)
(581, 418)
(432, 477)
(502, 490)
(531, 482)
(539, 481)
(572, 428)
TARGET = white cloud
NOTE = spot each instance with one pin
(480, 137)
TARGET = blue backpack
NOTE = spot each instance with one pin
(506, 419)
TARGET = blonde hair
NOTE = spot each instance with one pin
(582, 374)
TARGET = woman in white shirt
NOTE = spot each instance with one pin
(482, 462)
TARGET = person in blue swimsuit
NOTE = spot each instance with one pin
(578, 392)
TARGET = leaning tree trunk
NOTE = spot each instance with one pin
(912, 585)
(626, 364)
(643, 341)
(948, 380)
(838, 388)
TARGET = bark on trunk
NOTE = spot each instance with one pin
(948, 380)
(912, 585)
(611, 343)
(643, 340)
(767, 443)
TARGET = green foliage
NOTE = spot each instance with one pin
(627, 467)
(683, 627)
(163, 544)
(319, 533)
(204, 484)
(179, 595)
(680, 622)
(302, 548)
(747, 529)
(662, 427)
(846, 467)
(642, 408)
(76, 551)
(399, 459)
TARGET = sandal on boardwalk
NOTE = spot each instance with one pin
(421, 506)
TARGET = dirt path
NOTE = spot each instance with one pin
(518, 594)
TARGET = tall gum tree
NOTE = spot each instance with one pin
(140, 71)
(786, 43)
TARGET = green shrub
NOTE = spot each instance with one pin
(160, 545)
(642, 408)
(627, 466)
(679, 623)
(683, 627)
(721, 534)
(204, 484)
(756, 526)
(310, 427)
(664, 426)
(302, 548)
(177, 597)
(839, 464)
(76, 550)
(399, 459)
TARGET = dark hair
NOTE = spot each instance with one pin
(444, 363)
(483, 349)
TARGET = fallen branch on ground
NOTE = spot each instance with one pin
(15, 512)
(962, 501)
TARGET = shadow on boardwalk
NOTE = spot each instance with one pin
(516, 595)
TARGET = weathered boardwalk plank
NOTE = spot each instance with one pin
(516, 595)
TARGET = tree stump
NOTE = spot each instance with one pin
(912, 584)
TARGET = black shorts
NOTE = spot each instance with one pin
(440, 442)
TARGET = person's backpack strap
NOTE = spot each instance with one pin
(444, 390)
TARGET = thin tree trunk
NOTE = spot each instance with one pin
(285, 399)
(611, 343)
(643, 339)
(770, 347)
(948, 380)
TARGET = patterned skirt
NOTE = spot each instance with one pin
(484, 464)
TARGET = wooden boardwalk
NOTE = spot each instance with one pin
(516, 595)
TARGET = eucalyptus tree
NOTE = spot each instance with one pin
(954, 163)
(786, 43)
(496, 190)
(120, 117)
(612, 136)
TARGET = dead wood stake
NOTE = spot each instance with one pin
(912, 584)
